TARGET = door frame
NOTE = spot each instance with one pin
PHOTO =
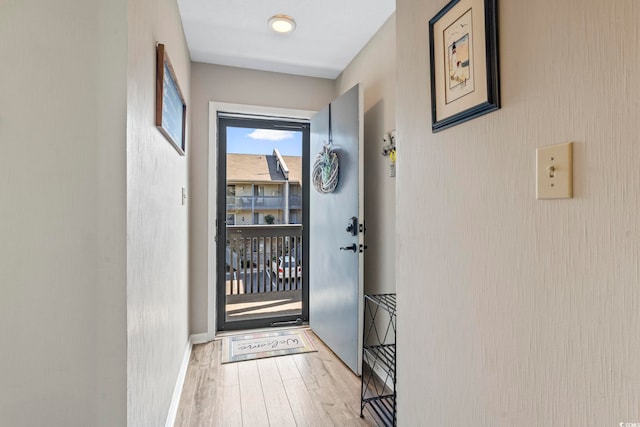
(228, 120)
(212, 184)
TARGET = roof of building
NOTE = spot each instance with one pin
(261, 168)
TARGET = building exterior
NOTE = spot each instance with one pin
(263, 189)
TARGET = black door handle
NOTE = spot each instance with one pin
(353, 248)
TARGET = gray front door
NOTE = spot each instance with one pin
(335, 254)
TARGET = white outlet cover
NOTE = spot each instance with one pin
(554, 170)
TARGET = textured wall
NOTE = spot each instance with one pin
(375, 69)
(239, 86)
(514, 311)
(62, 228)
(157, 223)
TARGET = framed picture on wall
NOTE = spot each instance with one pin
(171, 111)
(463, 42)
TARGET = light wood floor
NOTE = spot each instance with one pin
(309, 389)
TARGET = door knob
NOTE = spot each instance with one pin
(353, 248)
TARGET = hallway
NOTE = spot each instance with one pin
(309, 389)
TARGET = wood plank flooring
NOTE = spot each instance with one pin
(264, 304)
(309, 389)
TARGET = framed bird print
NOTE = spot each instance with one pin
(463, 42)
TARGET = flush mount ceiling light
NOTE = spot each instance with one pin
(282, 23)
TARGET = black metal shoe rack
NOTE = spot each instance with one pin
(379, 357)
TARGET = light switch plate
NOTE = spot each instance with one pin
(554, 167)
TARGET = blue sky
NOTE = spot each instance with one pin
(263, 141)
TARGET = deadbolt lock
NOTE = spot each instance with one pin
(352, 226)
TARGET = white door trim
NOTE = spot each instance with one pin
(214, 108)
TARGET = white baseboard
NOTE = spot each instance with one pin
(177, 391)
(200, 338)
(182, 374)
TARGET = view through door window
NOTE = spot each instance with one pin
(264, 211)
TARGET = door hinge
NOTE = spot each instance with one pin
(362, 228)
(362, 247)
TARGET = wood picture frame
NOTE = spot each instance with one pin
(171, 110)
(463, 42)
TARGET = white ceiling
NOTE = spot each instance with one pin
(328, 36)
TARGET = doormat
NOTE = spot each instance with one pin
(237, 348)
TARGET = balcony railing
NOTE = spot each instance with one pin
(262, 202)
(263, 258)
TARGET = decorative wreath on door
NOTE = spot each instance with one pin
(325, 171)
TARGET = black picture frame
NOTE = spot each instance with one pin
(468, 86)
(171, 110)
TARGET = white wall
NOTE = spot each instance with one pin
(514, 311)
(237, 86)
(157, 222)
(375, 69)
(62, 233)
